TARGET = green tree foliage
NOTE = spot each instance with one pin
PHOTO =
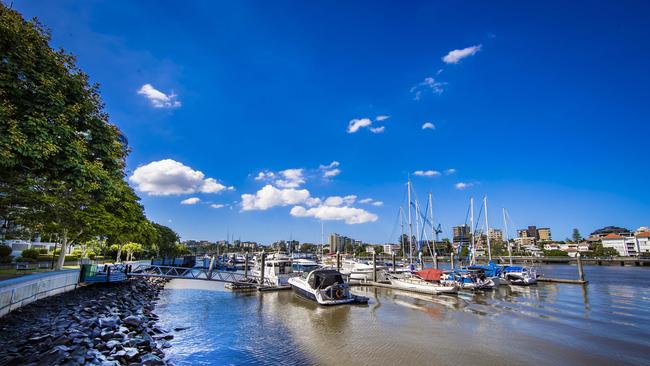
(5, 250)
(166, 240)
(576, 236)
(555, 253)
(61, 160)
(30, 253)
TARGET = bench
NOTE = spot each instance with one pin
(24, 266)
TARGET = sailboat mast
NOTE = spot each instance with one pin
(487, 229)
(410, 223)
(418, 238)
(322, 239)
(505, 224)
(471, 229)
(401, 224)
(433, 227)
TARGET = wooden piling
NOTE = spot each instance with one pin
(263, 263)
(451, 259)
(374, 267)
(435, 260)
(246, 266)
(581, 273)
(394, 264)
(108, 274)
(338, 261)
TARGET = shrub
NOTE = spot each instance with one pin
(42, 251)
(5, 250)
(91, 255)
(6, 259)
(30, 253)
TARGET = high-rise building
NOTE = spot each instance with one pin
(461, 234)
(495, 234)
(544, 234)
(532, 232)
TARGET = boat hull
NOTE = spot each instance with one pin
(431, 289)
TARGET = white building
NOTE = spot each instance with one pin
(18, 245)
(391, 248)
(629, 245)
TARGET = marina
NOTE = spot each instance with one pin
(546, 324)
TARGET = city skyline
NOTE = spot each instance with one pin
(264, 125)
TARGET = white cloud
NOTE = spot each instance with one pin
(331, 165)
(313, 201)
(330, 170)
(349, 199)
(462, 185)
(366, 200)
(428, 83)
(426, 173)
(190, 201)
(270, 196)
(217, 205)
(381, 118)
(378, 203)
(350, 215)
(169, 177)
(377, 129)
(331, 173)
(293, 178)
(265, 175)
(159, 99)
(454, 57)
(358, 123)
(450, 171)
(428, 126)
(333, 201)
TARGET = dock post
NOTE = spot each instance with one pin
(108, 274)
(338, 261)
(581, 273)
(211, 267)
(374, 267)
(263, 269)
(394, 268)
(246, 266)
(451, 259)
(435, 260)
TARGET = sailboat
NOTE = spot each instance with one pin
(426, 281)
(516, 275)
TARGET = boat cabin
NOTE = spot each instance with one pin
(323, 278)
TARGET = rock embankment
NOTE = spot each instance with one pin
(103, 324)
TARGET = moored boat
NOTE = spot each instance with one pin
(426, 281)
(324, 286)
(521, 276)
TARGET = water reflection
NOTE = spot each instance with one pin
(548, 324)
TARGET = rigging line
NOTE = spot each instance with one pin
(394, 226)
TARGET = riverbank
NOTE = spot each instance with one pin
(106, 324)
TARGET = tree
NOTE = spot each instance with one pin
(131, 249)
(349, 248)
(555, 253)
(577, 238)
(166, 240)
(61, 160)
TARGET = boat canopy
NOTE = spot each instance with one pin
(430, 274)
(322, 278)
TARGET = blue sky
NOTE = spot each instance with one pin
(544, 107)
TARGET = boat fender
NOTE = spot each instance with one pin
(339, 293)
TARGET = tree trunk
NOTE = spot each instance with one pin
(64, 248)
(119, 254)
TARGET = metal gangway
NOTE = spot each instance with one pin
(150, 270)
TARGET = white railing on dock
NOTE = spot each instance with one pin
(148, 270)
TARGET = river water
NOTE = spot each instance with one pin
(604, 323)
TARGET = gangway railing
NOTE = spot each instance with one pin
(149, 270)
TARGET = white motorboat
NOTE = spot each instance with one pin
(360, 271)
(304, 265)
(278, 271)
(427, 281)
(517, 275)
(325, 286)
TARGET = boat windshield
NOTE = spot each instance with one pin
(325, 278)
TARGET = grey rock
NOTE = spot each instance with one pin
(133, 321)
(112, 344)
(151, 360)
